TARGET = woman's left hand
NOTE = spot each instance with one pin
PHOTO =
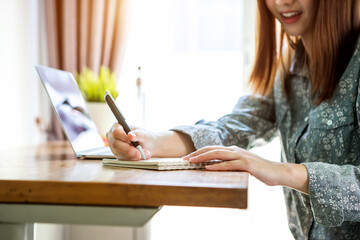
(238, 159)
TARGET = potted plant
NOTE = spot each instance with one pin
(93, 87)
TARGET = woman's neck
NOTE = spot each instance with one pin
(306, 40)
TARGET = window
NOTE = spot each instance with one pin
(191, 57)
(205, 25)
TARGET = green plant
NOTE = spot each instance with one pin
(94, 86)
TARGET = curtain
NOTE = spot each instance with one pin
(85, 33)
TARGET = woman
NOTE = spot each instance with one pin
(309, 93)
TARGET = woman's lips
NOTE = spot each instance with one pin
(290, 16)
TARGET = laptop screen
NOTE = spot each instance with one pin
(70, 108)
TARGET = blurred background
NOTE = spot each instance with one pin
(175, 62)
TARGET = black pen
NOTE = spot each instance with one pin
(121, 120)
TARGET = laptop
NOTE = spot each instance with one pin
(70, 108)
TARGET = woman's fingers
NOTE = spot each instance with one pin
(234, 158)
(137, 136)
(216, 152)
(117, 132)
(132, 137)
(228, 165)
(220, 154)
(148, 154)
(125, 151)
(202, 151)
(120, 144)
(238, 159)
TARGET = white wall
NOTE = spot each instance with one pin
(18, 83)
(22, 98)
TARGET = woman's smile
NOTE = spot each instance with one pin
(289, 17)
(296, 16)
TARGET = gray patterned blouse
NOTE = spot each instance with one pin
(325, 138)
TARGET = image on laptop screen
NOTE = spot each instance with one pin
(70, 108)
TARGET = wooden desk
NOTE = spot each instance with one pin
(49, 177)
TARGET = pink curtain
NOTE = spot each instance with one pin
(87, 33)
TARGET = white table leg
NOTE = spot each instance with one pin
(16, 231)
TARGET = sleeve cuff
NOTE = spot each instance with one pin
(200, 135)
(325, 188)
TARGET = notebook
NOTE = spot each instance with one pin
(70, 108)
(158, 164)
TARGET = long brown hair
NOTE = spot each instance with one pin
(335, 31)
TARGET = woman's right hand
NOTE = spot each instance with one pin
(120, 142)
(155, 144)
